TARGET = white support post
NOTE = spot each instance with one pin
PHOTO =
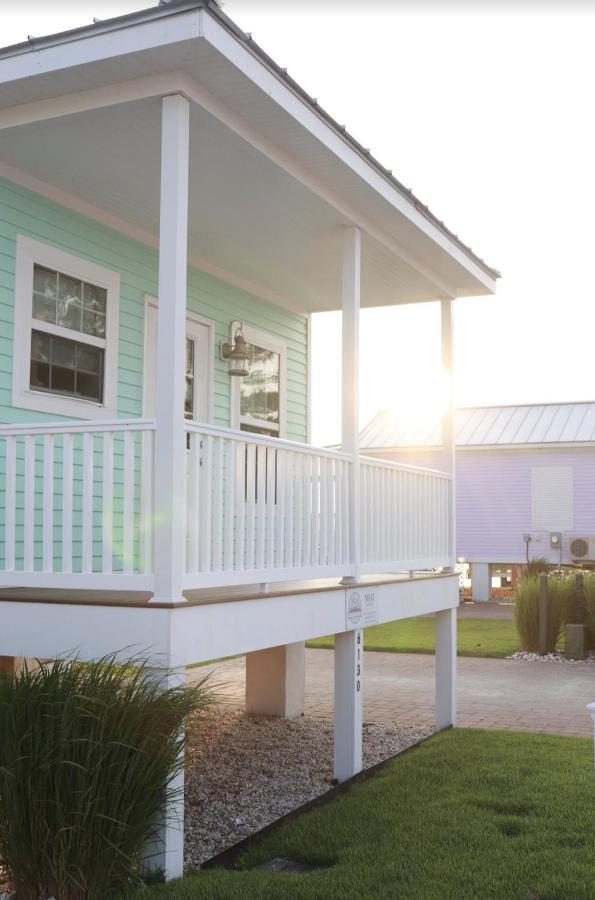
(165, 850)
(170, 483)
(349, 670)
(350, 385)
(481, 582)
(448, 460)
(275, 681)
(446, 668)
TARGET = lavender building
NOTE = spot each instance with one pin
(525, 481)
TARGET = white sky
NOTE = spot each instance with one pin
(488, 116)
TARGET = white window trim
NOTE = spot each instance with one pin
(268, 342)
(151, 308)
(30, 252)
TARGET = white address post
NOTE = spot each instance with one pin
(349, 670)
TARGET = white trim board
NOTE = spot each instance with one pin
(151, 304)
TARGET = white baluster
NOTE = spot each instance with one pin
(10, 484)
(29, 505)
(107, 503)
(128, 549)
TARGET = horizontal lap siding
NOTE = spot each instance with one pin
(23, 212)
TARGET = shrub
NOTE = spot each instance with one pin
(526, 610)
(88, 753)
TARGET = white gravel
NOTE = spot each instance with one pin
(551, 658)
(243, 772)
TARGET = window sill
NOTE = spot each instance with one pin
(70, 407)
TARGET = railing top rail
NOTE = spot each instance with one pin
(404, 467)
(77, 426)
(266, 441)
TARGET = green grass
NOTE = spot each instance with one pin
(476, 637)
(469, 814)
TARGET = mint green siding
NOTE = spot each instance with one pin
(23, 212)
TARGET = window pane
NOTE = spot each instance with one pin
(93, 323)
(87, 358)
(62, 380)
(94, 298)
(44, 308)
(44, 281)
(70, 292)
(189, 396)
(63, 353)
(40, 346)
(88, 386)
(39, 375)
(259, 391)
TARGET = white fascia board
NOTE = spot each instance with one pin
(255, 69)
(157, 31)
(42, 630)
(212, 630)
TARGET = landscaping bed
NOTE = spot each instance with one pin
(243, 772)
(501, 815)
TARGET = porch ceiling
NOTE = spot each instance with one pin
(268, 196)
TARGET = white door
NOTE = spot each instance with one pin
(197, 404)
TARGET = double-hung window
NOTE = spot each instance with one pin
(65, 353)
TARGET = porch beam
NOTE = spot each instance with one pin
(91, 99)
(170, 461)
(350, 306)
(448, 453)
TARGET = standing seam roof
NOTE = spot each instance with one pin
(488, 426)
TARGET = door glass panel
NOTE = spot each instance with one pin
(190, 375)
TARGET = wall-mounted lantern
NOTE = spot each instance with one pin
(235, 351)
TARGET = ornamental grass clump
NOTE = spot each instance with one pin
(88, 754)
(526, 610)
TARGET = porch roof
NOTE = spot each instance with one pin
(273, 177)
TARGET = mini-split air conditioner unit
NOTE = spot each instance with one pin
(582, 550)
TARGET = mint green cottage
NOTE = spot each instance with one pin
(173, 209)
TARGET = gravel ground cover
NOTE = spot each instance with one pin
(243, 772)
(528, 656)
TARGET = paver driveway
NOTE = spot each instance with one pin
(492, 693)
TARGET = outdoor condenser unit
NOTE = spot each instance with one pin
(582, 550)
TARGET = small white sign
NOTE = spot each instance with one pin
(361, 609)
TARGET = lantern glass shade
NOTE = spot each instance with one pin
(236, 352)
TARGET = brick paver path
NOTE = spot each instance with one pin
(492, 693)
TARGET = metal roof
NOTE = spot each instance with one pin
(170, 7)
(489, 426)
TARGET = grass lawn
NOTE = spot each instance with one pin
(476, 637)
(469, 814)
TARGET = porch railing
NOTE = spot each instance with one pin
(76, 504)
(261, 509)
(77, 508)
(404, 517)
